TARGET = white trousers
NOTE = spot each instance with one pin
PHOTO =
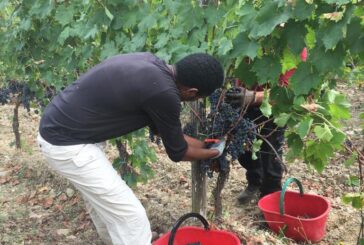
(118, 215)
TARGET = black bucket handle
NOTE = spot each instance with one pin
(284, 188)
(181, 220)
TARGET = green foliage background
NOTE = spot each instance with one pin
(52, 42)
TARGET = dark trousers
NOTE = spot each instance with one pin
(265, 172)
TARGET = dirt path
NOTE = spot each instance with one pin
(38, 207)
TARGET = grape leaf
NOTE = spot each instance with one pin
(304, 79)
(333, 32)
(244, 73)
(281, 119)
(64, 35)
(108, 13)
(64, 15)
(225, 45)
(302, 10)
(289, 60)
(293, 36)
(269, 16)
(108, 50)
(323, 133)
(295, 143)
(266, 107)
(243, 46)
(267, 69)
(339, 2)
(304, 127)
(255, 148)
(355, 36)
(340, 108)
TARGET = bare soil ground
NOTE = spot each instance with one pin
(39, 207)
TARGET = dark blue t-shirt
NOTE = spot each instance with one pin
(122, 94)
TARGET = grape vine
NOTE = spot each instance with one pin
(226, 121)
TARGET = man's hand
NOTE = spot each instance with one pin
(240, 97)
(219, 146)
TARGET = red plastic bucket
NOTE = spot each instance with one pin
(195, 235)
(299, 216)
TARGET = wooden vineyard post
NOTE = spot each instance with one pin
(199, 179)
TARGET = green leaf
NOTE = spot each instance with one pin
(243, 46)
(225, 45)
(267, 69)
(304, 79)
(269, 16)
(108, 13)
(91, 32)
(355, 36)
(328, 60)
(162, 40)
(333, 32)
(323, 133)
(64, 15)
(266, 107)
(41, 8)
(295, 143)
(338, 139)
(302, 10)
(147, 22)
(289, 60)
(281, 119)
(256, 148)
(304, 127)
(244, 73)
(108, 50)
(338, 2)
(310, 38)
(293, 36)
(64, 35)
(353, 181)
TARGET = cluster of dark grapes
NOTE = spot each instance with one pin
(225, 119)
(189, 129)
(15, 88)
(22, 91)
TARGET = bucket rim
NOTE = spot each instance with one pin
(294, 217)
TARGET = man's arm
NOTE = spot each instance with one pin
(197, 151)
(164, 111)
(245, 97)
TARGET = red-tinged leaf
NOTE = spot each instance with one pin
(304, 55)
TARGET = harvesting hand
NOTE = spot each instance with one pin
(219, 146)
(240, 97)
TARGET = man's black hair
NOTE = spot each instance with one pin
(201, 71)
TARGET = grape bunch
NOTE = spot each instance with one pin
(226, 120)
(22, 91)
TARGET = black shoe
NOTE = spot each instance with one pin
(251, 192)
